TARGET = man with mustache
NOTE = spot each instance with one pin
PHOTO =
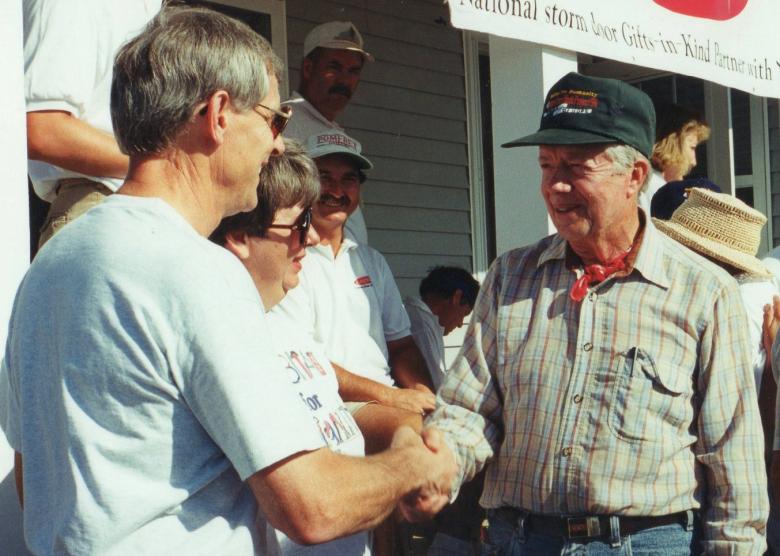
(349, 302)
(140, 389)
(605, 381)
(333, 59)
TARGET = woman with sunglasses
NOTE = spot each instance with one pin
(270, 241)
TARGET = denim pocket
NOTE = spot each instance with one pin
(668, 540)
(501, 536)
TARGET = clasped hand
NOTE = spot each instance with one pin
(437, 465)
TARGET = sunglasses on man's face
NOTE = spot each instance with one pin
(279, 120)
(302, 225)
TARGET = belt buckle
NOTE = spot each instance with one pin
(583, 527)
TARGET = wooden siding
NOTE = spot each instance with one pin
(410, 115)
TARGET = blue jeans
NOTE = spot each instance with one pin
(504, 539)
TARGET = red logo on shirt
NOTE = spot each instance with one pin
(707, 9)
(363, 281)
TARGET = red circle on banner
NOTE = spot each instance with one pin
(709, 9)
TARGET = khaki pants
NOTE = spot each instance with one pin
(75, 196)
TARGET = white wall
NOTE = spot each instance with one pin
(521, 73)
(14, 231)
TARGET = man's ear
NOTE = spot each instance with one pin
(306, 69)
(457, 298)
(238, 243)
(639, 175)
(216, 116)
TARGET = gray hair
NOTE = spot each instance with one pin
(287, 180)
(182, 57)
(623, 158)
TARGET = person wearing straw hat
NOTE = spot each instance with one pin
(604, 381)
(333, 60)
(726, 231)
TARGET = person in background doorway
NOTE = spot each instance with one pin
(671, 195)
(726, 231)
(447, 295)
(679, 130)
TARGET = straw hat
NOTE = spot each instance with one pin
(719, 226)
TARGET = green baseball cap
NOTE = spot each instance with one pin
(581, 110)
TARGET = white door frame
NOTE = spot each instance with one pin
(278, 12)
(476, 161)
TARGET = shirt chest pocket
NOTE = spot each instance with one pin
(650, 401)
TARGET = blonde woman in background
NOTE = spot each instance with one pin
(679, 130)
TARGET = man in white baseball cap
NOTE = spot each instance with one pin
(333, 58)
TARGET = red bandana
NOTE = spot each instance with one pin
(595, 273)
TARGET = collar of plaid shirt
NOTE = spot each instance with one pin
(596, 273)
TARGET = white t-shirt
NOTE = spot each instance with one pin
(428, 334)
(69, 49)
(143, 389)
(351, 306)
(756, 292)
(307, 121)
(313, 377)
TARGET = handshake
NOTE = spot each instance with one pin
(431, 468)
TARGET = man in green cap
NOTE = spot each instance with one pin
(605, 378)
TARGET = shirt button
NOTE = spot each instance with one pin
(566, 452)
(588, 346)
(577, 398)
(592, 297)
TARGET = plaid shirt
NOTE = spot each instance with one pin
(638, 400)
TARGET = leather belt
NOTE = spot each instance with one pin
(588, 526)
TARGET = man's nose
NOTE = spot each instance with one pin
(560, 186)
(332, 188)
(557, 180)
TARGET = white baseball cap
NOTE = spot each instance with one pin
(340, 35)
(335, 141)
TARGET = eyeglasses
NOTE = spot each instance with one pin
(279, 120)
(302, 226)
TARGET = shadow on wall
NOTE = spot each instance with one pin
(11, 537)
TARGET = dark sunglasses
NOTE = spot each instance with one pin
(279, 120)
(302, 225)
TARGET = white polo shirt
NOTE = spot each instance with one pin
(69, 49)
(428, 334)
(350, 304)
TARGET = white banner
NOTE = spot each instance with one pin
(731, 42)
